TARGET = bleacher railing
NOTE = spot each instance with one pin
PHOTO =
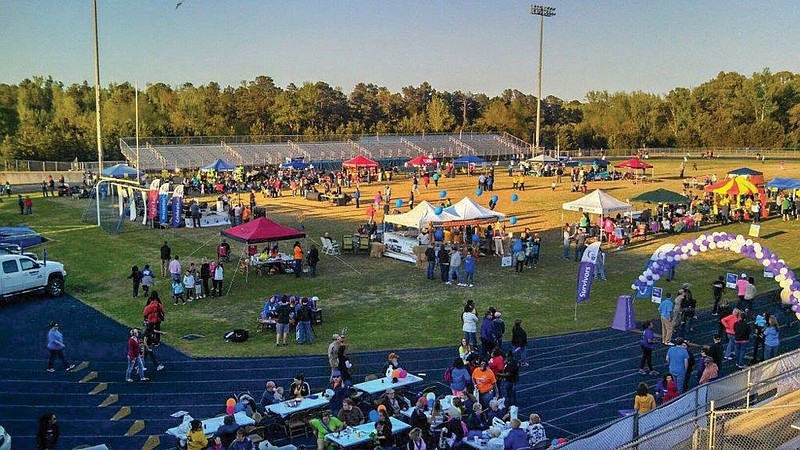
(688, 413)
(21, 165)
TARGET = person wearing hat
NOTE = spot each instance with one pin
(333, 351)
(741, 290)
(391, 364)
(337, 392)
(299, 388)
(55, 346)
(678, 360)
(710, 372)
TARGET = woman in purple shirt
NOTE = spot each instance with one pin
(648, 339)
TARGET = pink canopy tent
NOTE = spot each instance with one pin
(262, 230)
(421, 161)
(360, 161)
(633, 163)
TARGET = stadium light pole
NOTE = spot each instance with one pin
(97, 112)
(542, 12)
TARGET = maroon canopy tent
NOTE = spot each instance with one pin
(262, 230)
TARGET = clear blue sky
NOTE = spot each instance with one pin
(479, 46)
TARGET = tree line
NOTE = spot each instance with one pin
(43, 119)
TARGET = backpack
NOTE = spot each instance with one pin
(448, 375)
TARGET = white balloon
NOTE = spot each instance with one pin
(780, 261)
(785, 283)
(749, 242)
(655, 265)
(796, 294)
(784, 270)
(656, 276)
(740, 238)
(633, 286)
(712, 245)
(797, 314)
(759, 255)
(757, 247)
(703, 248)
(670, 259)
(779, 278)
(642, 278)
(765, 262)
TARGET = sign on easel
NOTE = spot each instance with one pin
(656, 297)
(730, 280)
(506, 261)
(768, 274)
(755, 230)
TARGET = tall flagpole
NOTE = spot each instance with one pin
(97, 112)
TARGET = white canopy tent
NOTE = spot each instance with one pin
(543, 159)
(468, 210)
(419, 217)
(597, 202)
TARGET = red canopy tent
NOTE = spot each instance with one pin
(421, 160)
(262, 230)
(360, 161)
(633, 163)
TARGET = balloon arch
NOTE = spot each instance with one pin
(724, 241)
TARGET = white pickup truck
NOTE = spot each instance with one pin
(20, 274)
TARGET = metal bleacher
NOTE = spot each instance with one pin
(239, 150)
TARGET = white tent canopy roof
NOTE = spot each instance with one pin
(598, 202)
(543, 159)
(468, 209)
(420, 216)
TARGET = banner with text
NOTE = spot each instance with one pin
(586, 272)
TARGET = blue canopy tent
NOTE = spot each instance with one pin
(469, 159)
(220, 166)
(121, 171)
(784, 184)
(296, 164)
(573, 163)
(744, 171)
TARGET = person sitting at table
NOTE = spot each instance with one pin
(476, 422)
(416, 440)
(383, 429)
(227, 431)
(270, 307)
(325, 425)
(299, 388)
(279, 394)
(264, 255)
(452, 429)
(268, 397)
(350, 415)
(393, 405)
(516, 438)
(495, 411)
(418, 417)
(495, 441)
(437, 414)
(535, 430)
(274, 253)
(391, 364)
(459, 405)
(196, 438)
(241, 442)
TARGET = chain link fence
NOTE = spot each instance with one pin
(747, 410)
(20, 165)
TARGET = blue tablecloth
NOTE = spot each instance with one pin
(284, 409)
(353, 436)
(382, 384)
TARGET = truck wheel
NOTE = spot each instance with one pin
(55, 286)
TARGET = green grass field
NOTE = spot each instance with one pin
(385, 303)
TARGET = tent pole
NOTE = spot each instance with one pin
(576, 312)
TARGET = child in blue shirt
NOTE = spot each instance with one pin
(177, 292)
(469, 268)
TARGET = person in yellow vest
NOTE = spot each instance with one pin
(521, 181)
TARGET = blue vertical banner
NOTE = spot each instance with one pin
(163, 203)
(177, 207)
(586, 272)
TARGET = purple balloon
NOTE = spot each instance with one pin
(796, 308)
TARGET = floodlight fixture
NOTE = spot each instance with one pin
(542, 12)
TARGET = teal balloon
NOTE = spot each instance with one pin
(514, 197)
(495, 198)
(438, 210)
(513, 220)
(479, 192)
(442, 194)
(398, 203)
